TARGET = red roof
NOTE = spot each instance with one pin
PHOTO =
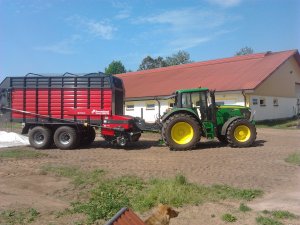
(229, 74)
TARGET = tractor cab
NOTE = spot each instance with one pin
(196, 99)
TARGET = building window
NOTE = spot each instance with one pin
(262, 102)
(150, 106)
(254, 101)
(171, 105)
(275, 101)
(129, 107)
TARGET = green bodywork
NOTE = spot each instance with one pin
(211, 126)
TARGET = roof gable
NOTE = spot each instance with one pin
(228, 74)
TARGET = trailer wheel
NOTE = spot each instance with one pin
(66, 138)
(181, 132)
(40, 137)
(88, 137)
(241, 133)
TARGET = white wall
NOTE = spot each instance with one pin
(287, 107)
(230, 99)
(148, 115)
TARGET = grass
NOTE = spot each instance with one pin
(244, 208)
(107, 196)
(228, 218)
(262, 220)
(79, 177)
(279, 123)
(293, 158)
(25, 216)
(21, 154)
(281, 214)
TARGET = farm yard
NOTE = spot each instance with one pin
(218, 184)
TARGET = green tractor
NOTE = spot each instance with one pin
(196, 114)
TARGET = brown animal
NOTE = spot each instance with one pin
(161, 215)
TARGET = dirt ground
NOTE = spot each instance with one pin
(262, 167)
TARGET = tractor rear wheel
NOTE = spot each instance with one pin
(241, 133)
(40, 137)
(181, 132)
(66, 137)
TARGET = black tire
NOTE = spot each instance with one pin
(40, 137)
(245, 137)
(169, 124)
(88, 137)
(222, 139)
(66, 138)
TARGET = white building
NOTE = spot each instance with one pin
(267, 82)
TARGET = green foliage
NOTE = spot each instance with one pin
(279, 124)
(21, 154)
(244, 208)
(108, 196)
(262, 220)
(115, 67)
(293, 158)
(78, 176)
(181, 57)
(245, 51)
(152, 63)
(229, 218)
(25, 216)
(279, 214)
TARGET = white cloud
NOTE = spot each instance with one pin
(124, 9)
(186, 43)
(186, 28)
(186, 19)
(226, 3)
(64, 47)
(101, 28)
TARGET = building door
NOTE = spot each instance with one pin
(297, 87)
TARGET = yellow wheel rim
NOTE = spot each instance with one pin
(182, 133)
(242, 133)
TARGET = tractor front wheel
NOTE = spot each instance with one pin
(241, 133)
(181, 132)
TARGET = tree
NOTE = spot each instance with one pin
(181, 57)
(245, 51)
(152, 63)
(115, 67)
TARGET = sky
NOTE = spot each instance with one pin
(79, 36)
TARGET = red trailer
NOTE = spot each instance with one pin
(67, 109)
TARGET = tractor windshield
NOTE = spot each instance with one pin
(197, 101)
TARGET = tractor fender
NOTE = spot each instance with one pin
(227, 123)
(171, 113)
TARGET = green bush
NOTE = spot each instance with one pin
(229, 218)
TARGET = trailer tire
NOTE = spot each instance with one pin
(40, 137)
(181, 132)
(88, 137)
(66, 137)
(241, 133)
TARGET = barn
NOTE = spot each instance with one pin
(267, 82)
